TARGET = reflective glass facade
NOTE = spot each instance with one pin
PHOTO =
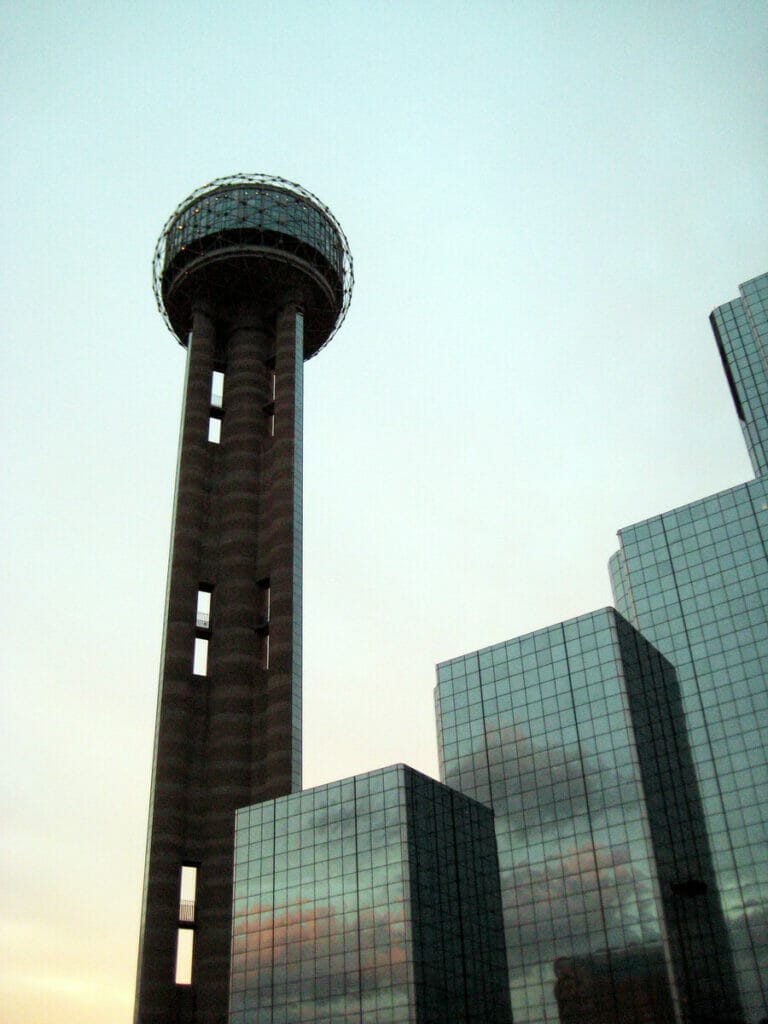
(260, 208)
(741, 332)
(574, 735)
(695, 581)
(372, 899)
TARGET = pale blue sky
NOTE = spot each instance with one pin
(544, 201)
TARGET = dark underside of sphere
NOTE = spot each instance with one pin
(251, 269)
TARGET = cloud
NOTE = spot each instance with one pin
(316, 953)
(537, 785)
(582, 898)
(559, 897)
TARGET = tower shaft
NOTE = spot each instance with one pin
(229, 713)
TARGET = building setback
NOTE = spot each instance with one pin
(574, 736)
(372, 899)
(253, 275)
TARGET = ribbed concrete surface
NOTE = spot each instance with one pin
(225, 740)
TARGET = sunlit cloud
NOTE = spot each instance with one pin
(318, 953)
(539, 784)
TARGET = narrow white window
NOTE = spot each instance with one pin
(187, 891)
(217, 389)
(185, 944)
(214, 429)
(200, 657)
(203, 612)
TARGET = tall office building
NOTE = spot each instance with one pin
(574, 735)
(695, 581)
(253, 276)
(375, 899)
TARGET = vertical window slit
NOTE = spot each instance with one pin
(185, 933)
(263, 615)
(187, 893)
(269, 408)
(203, 611)
(200, 657)
(217, 390)
(185, 944)
(214, 429)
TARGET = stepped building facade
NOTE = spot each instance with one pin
(695, 581)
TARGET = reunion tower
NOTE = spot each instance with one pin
(253, 275)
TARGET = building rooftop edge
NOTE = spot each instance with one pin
(525, 636)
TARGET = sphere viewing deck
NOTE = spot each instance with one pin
(258, 237)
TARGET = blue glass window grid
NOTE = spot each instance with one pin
(354, 847)
(712, 622)
(260, 208)
(546, 702)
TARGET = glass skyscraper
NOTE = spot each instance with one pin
(575, 736)
(695, 581)
(372, 899)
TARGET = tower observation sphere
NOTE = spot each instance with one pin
(255, 235)
(252, 275)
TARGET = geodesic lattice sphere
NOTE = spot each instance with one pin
(248, 240)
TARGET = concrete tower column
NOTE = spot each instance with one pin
(235, 665)
(254, 275)
(177, 739)
(282, 526)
